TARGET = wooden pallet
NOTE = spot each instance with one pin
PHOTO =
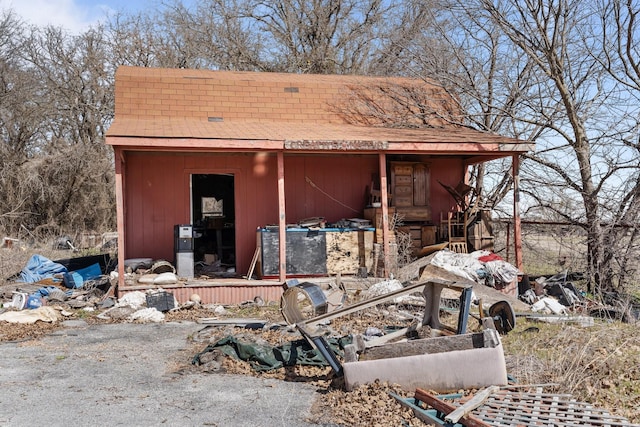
(510, 407)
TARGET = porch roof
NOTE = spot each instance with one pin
(174, 109)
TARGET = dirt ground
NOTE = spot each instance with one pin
(122, 373)
(135, 374)
(143, 374)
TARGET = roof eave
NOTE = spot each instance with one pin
(479, 150)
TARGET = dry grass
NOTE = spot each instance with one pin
(599, 365)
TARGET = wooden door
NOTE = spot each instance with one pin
(420, 185)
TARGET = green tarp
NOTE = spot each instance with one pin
(265, 357)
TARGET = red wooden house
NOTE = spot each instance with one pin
(239, 152)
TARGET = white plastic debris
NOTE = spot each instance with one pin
(464, 265)
(167, 278)
(150, 314)
(44, 314)
(135, 299)
(219, 310)
(383, 288)
(549, 305)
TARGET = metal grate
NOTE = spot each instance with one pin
(510, 407)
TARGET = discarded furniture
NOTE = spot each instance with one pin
(442, 363)
(459, 193)
(375, 195)
(508, 406)
(427, 250)
(374, 215)
(480, 231)
(316, 251)
(457, 231)
(431, 290)
(357, 372)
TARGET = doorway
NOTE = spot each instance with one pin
(213, 218)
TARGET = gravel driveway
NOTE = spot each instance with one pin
(127, 374)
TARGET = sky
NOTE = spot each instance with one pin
(74, 15)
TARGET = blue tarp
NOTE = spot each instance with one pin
(38, 268)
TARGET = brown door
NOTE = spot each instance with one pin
(420, 185)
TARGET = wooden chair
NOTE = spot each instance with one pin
(375, 196)
(459, 193)
(457, 228)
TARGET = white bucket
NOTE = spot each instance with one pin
(19, 300)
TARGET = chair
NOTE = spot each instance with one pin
(375, 196)
(457, 228)
(459, 193)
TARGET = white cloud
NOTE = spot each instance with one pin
(64, 13)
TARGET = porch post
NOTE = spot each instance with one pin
(517, 228)
(282, 221)
(120, 175)
(382, 158)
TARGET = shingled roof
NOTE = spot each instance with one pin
(183, 108)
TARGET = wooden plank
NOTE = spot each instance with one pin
(386, 233)
(517, 227)
(282, 221)
(423, 346)
(347, 251)
(252, 266)
(477, 400)
(119, 159)
(446, 408)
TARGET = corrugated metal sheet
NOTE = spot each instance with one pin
(219, 294)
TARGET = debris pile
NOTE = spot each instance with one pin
(482, 267)
(73, 284)
(46, 290)
(560, 297)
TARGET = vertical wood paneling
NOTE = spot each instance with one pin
(343, 178)
(159, 197)
(158, 194)
(420, 185)
(449, 171)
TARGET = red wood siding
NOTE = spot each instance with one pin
(343, 178)
(158, 194)
(449, 171)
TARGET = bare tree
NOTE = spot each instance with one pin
(57, 173)
(581, 155)
(463, 51)
(321, 36)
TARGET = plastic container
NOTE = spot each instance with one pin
(34, 301)
(161, 301)
(19, 300)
